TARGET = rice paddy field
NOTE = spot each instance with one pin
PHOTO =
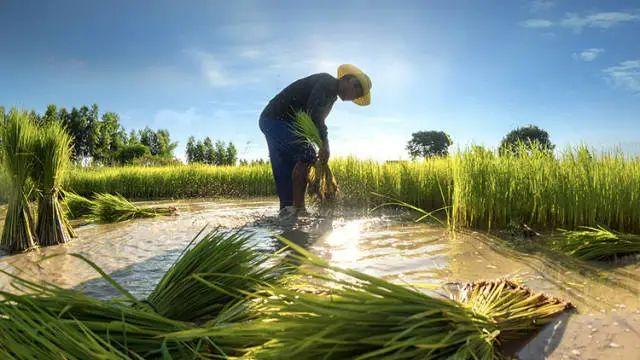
(137, 253)
(490, 217)
(478, 188)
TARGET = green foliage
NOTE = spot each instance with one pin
(102, 140)
(130, 152)
(158, 142)
(530, 136)
(204, 152)
(429, 143)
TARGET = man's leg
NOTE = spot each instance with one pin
(300, 177)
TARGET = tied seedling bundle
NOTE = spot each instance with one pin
(19, 136)
(322, 184)
(344, 314)
(597, 243)
(108, 208)
(52, 160)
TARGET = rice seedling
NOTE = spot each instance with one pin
(76, 206)
(596, 243)
(52, 160)
(17, 141)
(213, 275)
(109, 208)
(32, 333)
(342, 313)
(322, 184)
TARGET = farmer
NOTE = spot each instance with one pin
(291, 159)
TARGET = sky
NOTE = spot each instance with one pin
(474, 69)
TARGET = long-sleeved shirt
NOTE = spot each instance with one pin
(314, 94)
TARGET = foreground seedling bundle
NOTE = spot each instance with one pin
(223, 299)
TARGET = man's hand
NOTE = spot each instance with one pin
(324, 154)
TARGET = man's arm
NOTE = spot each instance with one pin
(319, 105)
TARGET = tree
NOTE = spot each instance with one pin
(191, 148)
(527, 135)
(158, 142)
(128, 153)
(209, 153)
(231, 154)
(429, 143)
(220, 154)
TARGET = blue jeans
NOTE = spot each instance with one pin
(285, 150)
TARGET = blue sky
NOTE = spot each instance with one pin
(475, 69)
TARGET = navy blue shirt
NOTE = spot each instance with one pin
(314, 94)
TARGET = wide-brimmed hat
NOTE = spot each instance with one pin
(348, 69)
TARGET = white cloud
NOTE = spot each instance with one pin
(541, 5)
(537, 23)
(602, 20)
(588, 54)
(626, 75)
(219, 73)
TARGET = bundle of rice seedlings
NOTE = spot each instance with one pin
(597, 243)
(32, 333)
(110, 208)
(128, 325)
(77, 206)
(322, 184)
(17, 142)
(348, 314)
(213, 276)
(52, 159)
(514, 309)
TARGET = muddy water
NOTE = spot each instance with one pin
(606, 326)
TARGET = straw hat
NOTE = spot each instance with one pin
(348, 69)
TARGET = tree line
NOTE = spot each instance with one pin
(100, 139)
(205, 152)
(436, 143)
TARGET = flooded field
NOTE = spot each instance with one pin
(606, 325)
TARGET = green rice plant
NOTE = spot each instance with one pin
(575, 188)
(109, 208)
(322, 184)
(486, 190)
(126, 324)
(596, 243)
(17, 142)
(77, 206)
(213, 275)
(52, 161)
(338, 313)
(29, 332)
